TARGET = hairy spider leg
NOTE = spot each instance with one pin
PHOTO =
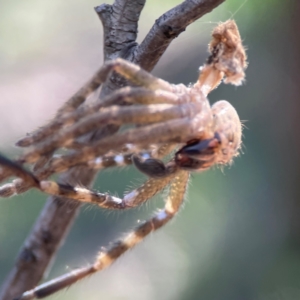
(19, 185)
(228, 126)
(132, 199)
(120, 160)
(173, 131)
(127, 95)
(138, 114)
(69, 106)
(128, 70)
(110, 254)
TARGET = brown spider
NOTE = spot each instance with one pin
(168, 117)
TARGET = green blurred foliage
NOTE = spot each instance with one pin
(237, 237)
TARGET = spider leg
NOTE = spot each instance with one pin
(121, 160)
(221, 149)
(135, 74)
(113, 115)
(69, 106)
(129, 95)
(19, 186)
(81, 95)
(153, 167)
(17, 170)
(5, 173)
(42, 162)
(128, 70)
(107, 256)
(173, 131)
(132, 199)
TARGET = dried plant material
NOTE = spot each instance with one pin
(228, 58)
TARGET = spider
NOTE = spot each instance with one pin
(167, 118)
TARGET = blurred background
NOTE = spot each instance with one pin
(238, 236)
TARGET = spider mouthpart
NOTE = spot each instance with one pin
(202, 154)
(199, 155)
(154, 168)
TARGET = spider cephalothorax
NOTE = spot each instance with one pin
(167, 118)
(201, 154)
(221, 148)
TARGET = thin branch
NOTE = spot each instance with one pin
(168, 27)
(120, 31)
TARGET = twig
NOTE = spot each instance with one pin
(120, 31)
(167, 28)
